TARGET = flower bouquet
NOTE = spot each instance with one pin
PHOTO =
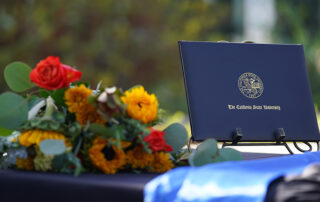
(54, 122)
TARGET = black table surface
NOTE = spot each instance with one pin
(37, 186)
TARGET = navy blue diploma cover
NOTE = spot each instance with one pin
(256, 87)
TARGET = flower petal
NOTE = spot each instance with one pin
(72, 74)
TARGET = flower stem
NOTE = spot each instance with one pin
(49, 108)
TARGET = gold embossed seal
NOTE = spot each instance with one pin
(250, 85)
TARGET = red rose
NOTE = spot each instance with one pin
(157, 142)
(51, 74)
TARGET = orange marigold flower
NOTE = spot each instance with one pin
(76, 98)
(107, 159)
(77, 102)
(161, 162)
(137, 158)
(25, 164)
(89, 114)
(30, 137)
(125, 144)
(141, 105)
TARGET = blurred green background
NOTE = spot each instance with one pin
(129, 42)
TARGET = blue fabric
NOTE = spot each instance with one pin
(242, 181)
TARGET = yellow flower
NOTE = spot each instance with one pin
(77, 102)
(138, 158)
(161, 162)
(76, 98)
(110, 163)
(30, 137)
(141, 105)
(25, 164)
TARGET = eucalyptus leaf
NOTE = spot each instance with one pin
(52, 147)
(176, 136)
(229, 154)
(207, 152)
(191, 158)
(14, 110)
(17, 76)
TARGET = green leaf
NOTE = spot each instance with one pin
(5, 132)
(33, 100)
(92, 99)
(229, 154)
(176, 136)
(99, 129)
(74, 129)
(34, 106)
(52, 147)
(191, 158)
(78, 165)
(58, 116)
(14, 110)
(17, 76)
(207, 152)
(59, 161)
(133, 87)
(67, 163)
(118, 139)
(78, 83)
(99, 85)
(78, 142)
(44, 93)
(117, 132)
(58, 96)
(183, 154)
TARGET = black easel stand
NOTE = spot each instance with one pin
(279, 141)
